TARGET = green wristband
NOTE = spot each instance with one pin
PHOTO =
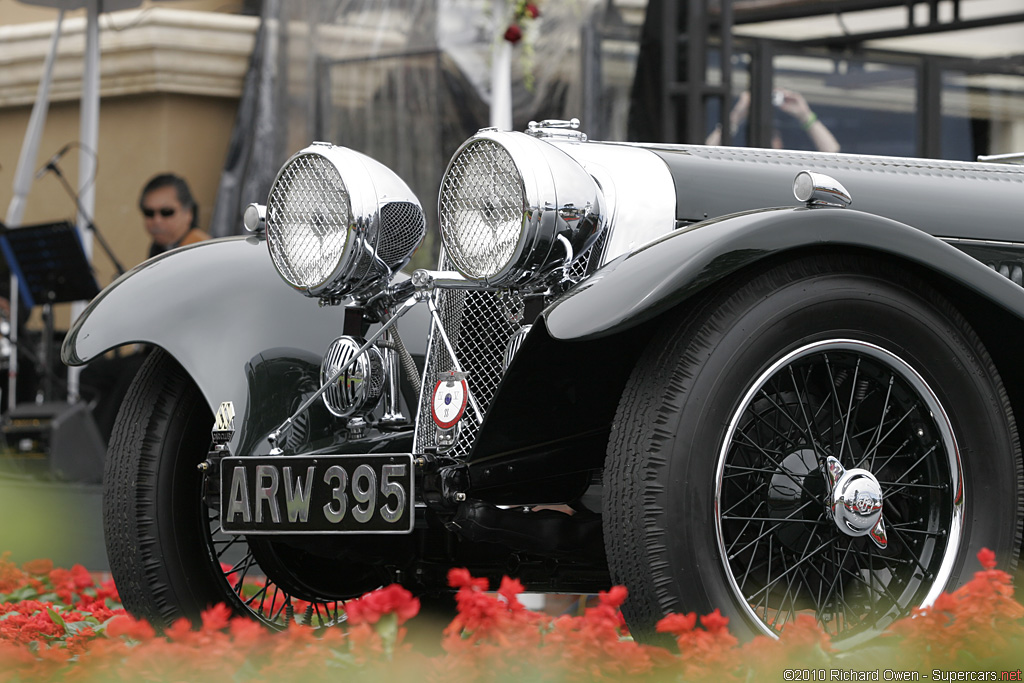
(810, 121)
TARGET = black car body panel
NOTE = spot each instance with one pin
(943, 198)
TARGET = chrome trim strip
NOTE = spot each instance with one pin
(981, 242)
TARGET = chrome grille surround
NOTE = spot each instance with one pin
(514, 342)
(339, 223)
(513, 208)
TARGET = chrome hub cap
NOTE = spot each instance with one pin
(855, 502)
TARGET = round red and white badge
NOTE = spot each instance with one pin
(448, 402)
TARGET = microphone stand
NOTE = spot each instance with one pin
(52, 166)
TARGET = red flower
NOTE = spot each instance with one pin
(181, 631)
(987, 558)
(513, 33)
(677, 624)
(391, 599)
(38, 567)
(510, 589)
(715, 622)
(216, 618)
(459, 577)
(532, 10)
(613, 598)
(247, 630)
(129, 627)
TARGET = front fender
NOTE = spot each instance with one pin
(221, 310)
(642, 285)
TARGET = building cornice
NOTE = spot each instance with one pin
(154, 50)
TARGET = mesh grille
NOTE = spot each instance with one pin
(481, 209)
(479, 325)
(402, 227)
(590, 260)
(308, 214)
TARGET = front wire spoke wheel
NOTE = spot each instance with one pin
(788, 547)
(259, 595)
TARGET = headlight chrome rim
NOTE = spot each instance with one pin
(348, 220)
(560, 203)
(509, 208)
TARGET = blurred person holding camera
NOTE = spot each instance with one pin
(790, 102)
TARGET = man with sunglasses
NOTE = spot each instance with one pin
(170, 213)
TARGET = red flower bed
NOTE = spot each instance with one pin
(60, 625)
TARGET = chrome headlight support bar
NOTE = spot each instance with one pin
(424, 283)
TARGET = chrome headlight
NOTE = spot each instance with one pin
(513, 207)
(340, 223)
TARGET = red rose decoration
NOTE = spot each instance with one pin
(532, 11)
(513, 33)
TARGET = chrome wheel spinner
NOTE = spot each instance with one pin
(855, 501)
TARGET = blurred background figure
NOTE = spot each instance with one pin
(170, 213)
(790, 102)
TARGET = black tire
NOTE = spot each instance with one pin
(715, 478)
(167, 555)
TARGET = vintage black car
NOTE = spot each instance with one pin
(770, 382)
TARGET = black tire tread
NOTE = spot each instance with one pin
(138, 559)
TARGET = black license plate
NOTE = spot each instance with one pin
(282, 494)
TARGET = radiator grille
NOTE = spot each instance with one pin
(479, 326)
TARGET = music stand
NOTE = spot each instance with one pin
(49, 263)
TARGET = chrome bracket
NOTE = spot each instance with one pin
(275, 436)
(569, 257)
(556, 128)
